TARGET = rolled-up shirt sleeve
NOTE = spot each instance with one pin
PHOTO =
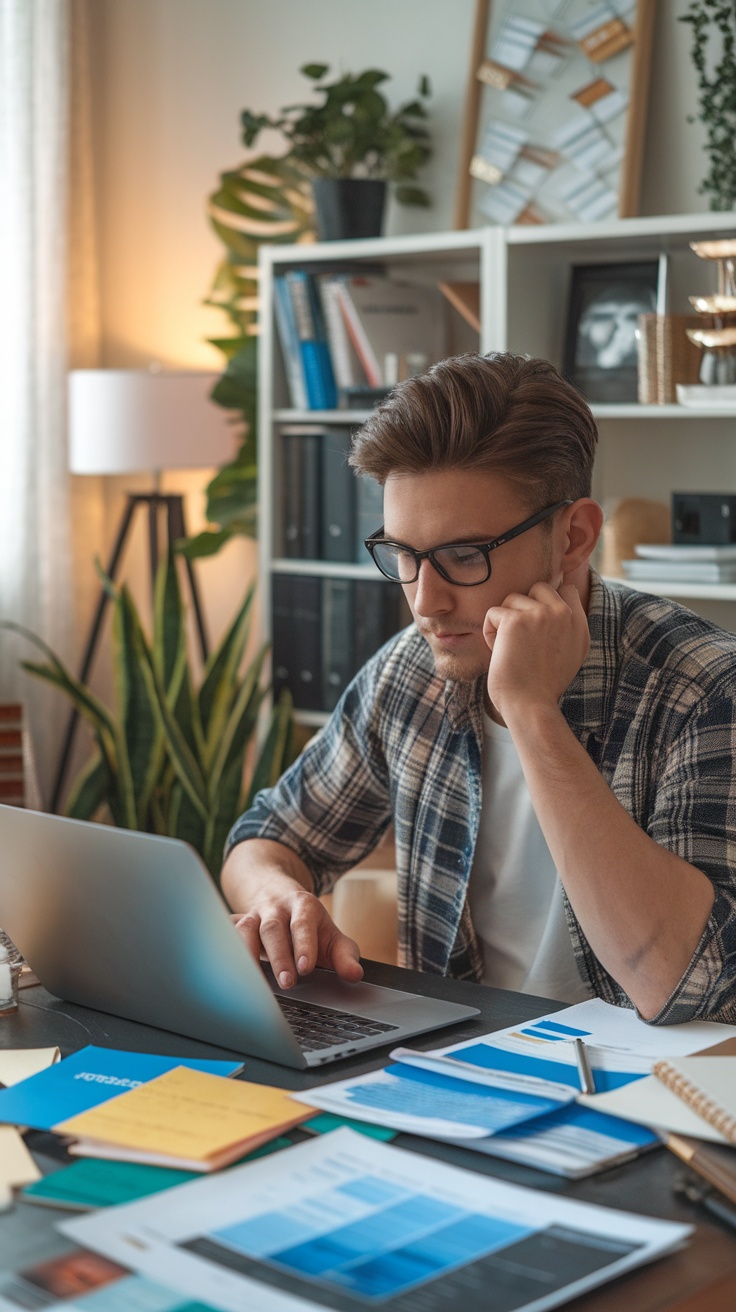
(694, 815)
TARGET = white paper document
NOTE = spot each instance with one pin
(345, 1222)
(476, 1092)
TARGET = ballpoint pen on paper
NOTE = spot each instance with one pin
(587, 1083)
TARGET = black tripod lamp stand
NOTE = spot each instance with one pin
(132, 420)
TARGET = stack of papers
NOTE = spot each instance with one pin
(86, 1079)
(185, 1118)
(344, 1221)
(682, 562)
(482, 1094)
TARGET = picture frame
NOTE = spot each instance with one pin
(601, 351)
(555, 111)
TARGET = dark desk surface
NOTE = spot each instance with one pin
(700, 1278)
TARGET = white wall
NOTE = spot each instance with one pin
(170, 80)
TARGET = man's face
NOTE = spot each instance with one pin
(460, 505)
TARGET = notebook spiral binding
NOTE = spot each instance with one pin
(700, 1103)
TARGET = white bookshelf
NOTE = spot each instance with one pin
(523, 272)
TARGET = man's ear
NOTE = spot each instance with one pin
(582, 524)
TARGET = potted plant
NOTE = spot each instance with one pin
(170, 758)
(352, 144)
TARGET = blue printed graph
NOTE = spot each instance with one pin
(371, 1237)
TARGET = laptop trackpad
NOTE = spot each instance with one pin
(324, 988)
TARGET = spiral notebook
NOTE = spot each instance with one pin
(707, 1085)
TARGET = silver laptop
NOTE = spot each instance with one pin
(132, 924)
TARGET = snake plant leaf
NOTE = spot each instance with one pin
(238, 728)
(56, 672)
(221, 819)
(218, 686)
(184, 822)
(90, 790)
(277, 751)
(169, 646)
(138, 705)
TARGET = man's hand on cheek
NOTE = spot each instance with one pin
(538, 643)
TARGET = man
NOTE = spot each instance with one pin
(555, 753)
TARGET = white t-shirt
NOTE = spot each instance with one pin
(515, 893)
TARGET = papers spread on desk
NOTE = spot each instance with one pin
(501, 1072)
(343, 1220)
(100, 1285)
(18, 1064)
(87, 1078)
(184, 1118)
(17, 1167)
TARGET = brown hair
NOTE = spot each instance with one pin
(498, 412)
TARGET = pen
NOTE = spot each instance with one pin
(587, 1083)
(704, 1197)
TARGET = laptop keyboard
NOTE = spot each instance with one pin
(322, 1027)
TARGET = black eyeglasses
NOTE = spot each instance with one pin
(464, 563)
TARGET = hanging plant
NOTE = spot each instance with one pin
(714, 21)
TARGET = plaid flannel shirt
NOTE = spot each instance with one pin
(653, 706)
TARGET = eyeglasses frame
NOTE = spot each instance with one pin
(377, 539)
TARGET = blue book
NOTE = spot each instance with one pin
(290, 346)
(86, 1079)
(315, 352)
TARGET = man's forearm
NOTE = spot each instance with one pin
(643, 909)
(255, 861)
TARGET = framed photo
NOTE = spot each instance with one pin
(600, 339)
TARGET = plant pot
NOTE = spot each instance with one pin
(348, 207)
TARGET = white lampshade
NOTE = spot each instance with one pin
(125, 420)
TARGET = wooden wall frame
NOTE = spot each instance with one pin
(478, 102)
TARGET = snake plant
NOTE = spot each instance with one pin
(169, 759)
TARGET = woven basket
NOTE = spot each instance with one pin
(665, 356)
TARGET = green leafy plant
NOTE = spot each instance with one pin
(265, 199)
(170, 758)
(352, 132)
(715, 21)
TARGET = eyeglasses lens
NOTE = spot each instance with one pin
(461, 564)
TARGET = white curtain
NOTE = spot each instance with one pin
(35, 574)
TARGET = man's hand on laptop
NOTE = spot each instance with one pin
(284, 921)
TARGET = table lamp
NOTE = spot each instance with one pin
(142, 420)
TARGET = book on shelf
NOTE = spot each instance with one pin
(385, 317)
(675, 571)
(314, 352)
(346, 363)
(337, 639)
(290, 346)
(368, 515)
(339, 487)
(325, 629)
(301, 462)
(327, 512)
(297, 640)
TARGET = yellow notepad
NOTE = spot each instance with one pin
(185, 1118)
